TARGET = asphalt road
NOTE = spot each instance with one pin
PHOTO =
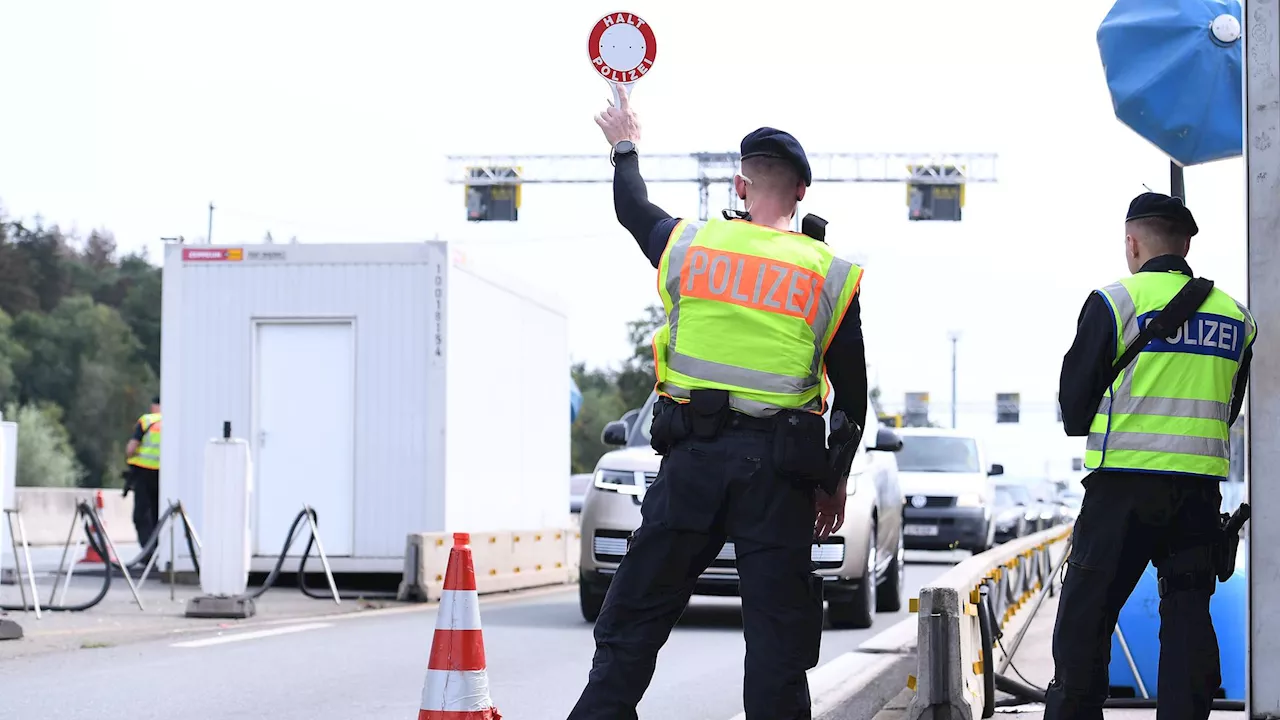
(371, 666)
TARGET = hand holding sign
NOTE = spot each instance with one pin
(619, 122)
(622, 49)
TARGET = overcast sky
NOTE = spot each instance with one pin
(330, 121)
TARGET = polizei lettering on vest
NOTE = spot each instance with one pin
(776, 287)
(1203, 334)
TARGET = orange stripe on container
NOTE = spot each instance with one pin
(461, 574)
(486, 714)
(457, 650)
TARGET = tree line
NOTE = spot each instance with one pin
(79, 350)
(608, 393)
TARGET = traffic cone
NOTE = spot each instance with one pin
(457, 684)
(91, 555)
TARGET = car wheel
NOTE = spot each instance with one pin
(859, 611)
(891, 589)
(590, 600)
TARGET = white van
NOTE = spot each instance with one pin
(947, 482)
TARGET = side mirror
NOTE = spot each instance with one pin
(996, 469)
(629, 417)
(887, 440)
(615, 433)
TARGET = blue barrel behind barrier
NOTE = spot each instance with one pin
(1140, 623)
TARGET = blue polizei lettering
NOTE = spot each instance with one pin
(1203, 334)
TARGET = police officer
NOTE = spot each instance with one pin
(1157, 448)
(754, 313)
(142, 453)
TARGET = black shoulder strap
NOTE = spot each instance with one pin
(1166, 323)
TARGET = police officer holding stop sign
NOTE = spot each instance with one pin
(1155, 379)
(757, 317)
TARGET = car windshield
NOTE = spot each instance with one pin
(1018, 493)
(640, 426)
(1003, 498)
(1072, 500)
(938, 453)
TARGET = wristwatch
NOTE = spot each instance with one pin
(623, 147)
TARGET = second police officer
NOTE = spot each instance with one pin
(1155, 379)
(757, 318)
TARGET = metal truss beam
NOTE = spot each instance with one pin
(705, 168)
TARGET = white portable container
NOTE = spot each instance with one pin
(395, 388)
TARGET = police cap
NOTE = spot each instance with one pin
(768, 142)
(1150, 204)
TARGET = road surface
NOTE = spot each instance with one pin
(371, 666)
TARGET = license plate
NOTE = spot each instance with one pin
(920, 530)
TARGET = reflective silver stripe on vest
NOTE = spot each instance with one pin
(733, 375)
(675, 261)
(1249, 326)
(754, 408)
(1123, 402)
(1122, 304)
(1171, 407)
(1157, 442)
(832, 288)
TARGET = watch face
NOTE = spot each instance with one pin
(624, 146)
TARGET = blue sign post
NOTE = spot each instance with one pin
(575, 401)
(1174, 71)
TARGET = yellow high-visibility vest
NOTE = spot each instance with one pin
(149, 449)
(750, 309)
(1168, 412)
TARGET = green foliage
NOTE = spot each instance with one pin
(609, 393)
(80, 342)
(45, 457)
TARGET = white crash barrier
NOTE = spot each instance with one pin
(504, 561)
(949, 680)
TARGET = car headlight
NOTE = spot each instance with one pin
(969, 500)
(617, 481)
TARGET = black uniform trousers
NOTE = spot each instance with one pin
(1125, 521)
(146, 502)
(705, 492)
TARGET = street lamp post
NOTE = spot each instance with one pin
(954, 335)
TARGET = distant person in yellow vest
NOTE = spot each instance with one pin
(143, 455)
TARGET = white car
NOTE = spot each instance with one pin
(862, 563)
(946, 479)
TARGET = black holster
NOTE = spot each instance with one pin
(800, 449)
(704, 417)
(1224, 551)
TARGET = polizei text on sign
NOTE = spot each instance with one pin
(622, 47)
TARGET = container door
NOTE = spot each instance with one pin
(304, 433)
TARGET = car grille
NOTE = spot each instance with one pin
(611, 545)
(932, 501)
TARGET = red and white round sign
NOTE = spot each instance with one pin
(622, 47)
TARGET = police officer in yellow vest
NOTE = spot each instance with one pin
(143, 455)
(757, 318)
(1157, 433)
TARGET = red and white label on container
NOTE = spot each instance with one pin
(622, 47)
(212, 254)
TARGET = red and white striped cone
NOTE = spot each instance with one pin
(457, 683)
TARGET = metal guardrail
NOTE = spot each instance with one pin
(962, 618)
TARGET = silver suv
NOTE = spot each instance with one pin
(862, 563)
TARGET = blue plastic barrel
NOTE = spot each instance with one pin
(1140, 623)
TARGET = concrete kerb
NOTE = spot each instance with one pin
(949, 648)
(840, 679)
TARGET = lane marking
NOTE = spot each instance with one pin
(254, 635)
